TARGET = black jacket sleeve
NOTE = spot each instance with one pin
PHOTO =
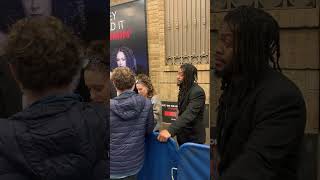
(279, 129)
(196, 103)
(150, 121)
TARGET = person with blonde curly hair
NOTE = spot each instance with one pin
(146, 89)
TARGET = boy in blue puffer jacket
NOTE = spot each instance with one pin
(131, 119)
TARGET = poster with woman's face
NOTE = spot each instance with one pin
(128, 37)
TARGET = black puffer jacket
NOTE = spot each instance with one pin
(56, 138)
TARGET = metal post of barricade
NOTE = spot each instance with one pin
(172, 169)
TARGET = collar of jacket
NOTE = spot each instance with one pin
(48, 106)
(125, 94)
(182, 97)
(57, 98)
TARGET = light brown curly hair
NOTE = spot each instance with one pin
(146, 81)
(44, 53)
(123, 78)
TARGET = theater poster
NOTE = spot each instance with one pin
(128, 36)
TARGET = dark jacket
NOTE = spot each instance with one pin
(113, 91)
(189, 126)
(57, 137)
(260, 136)
(82, 89)
(131, 119)
(10, 94)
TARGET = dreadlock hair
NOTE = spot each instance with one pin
(256, 42)
(256, 36)
(131, 60)
(190, 74)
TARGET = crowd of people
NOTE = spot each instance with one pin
(136, 111)
(57, 134)
(79, 117)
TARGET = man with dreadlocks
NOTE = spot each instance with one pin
(191, 101)
(261, 113)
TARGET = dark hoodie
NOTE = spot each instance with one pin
(57, 137)
(131, 119)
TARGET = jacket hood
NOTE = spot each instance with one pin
(128, 105)
(48, 106)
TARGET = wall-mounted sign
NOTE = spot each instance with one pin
(170, 109)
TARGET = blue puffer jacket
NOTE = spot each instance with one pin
(131, 119)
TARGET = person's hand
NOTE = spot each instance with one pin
(164, 135)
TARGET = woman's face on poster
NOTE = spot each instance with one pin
(37, 7)
(121, 59)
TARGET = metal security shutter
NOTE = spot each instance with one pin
(187, 31)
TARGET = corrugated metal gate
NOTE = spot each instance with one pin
(187, 31)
